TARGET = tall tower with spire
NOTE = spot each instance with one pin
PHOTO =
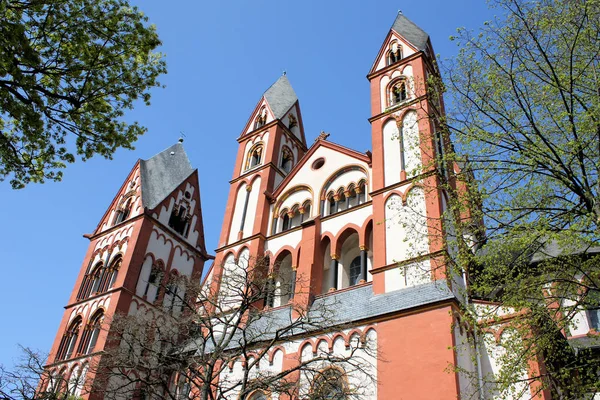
(151, 234)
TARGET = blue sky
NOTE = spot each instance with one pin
(221, 55)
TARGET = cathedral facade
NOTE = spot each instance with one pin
(361, 230)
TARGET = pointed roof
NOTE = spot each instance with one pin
(411, 32)
(162, 174)
(281, 97)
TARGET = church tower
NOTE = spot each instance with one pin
(150, 235)
(407, 188)
(270, 145)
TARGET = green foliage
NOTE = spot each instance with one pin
(525, 95)
(68, 71)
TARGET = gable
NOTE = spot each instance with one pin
(393, 41)
(130, 195)
(339, 164)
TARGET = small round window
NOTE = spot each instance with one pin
(318, 163)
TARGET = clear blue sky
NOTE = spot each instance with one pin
(221, 55)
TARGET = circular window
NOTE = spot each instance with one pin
(187, 195)
(318, 163)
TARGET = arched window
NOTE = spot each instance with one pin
(261, 119)
(329, 384)
(153, 283)
(97, 274)
(394, 54)
(113, 271)
(293, 121)
(332, 204)
(254, 156)
(180, 218)
(91, 333)
(305, 211)
(285, 224)
(354, 271)
(360, 192)
(123, 212)
(258, 395)
(86, 285)
(287, 159)
(398, 93)
(69, 339)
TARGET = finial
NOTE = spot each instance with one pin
(399, 12)
(284, 72)
(322, 136)
(181, 137)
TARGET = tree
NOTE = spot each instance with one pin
(204, 343)
(525, 96)
(68, 71)
(29, 380)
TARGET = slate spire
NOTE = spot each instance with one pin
(280, 96)
(410, 31)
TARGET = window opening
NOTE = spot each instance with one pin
(123, 212)
(180, 219)
(261, 119)
(67, 345)
(91, 333)
(329, 385)
(286, 222)
(398, 93)
(154, 280)
(355, 271)
(254, 158)
(395, 53)
(287, 160)
(592, 300)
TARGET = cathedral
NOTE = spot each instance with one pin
(363, 231)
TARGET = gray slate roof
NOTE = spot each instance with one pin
(162, 174)
(281, 96)
(341, 308)
(411, 32)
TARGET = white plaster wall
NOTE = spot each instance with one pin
(406, 227)
(298, 197)
(345, 179)
(269, 115)
(237, 214)
(278, 179)
(114, 237)
(160, 245)
(360, 379)
(358, 216)
(315, 179)
(143, 279)
(391, 153)
(580, 322)
(251, 210)
(133, 185)
(292, 238)
(164, 213)
(412, 148)
(406, 51)
(383, 83)
(492, 362)
(466, 363)
(407, 275)
(183, 262)
(363, 381)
